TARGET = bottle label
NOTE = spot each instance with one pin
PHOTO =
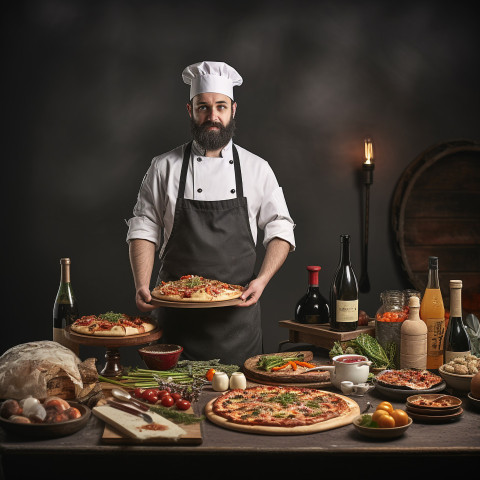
(347, 311)
(449, 356)
(435, 336)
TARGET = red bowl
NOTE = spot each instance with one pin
(161, 356)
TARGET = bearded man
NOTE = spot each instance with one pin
(201, 205)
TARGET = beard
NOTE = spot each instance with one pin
(212, 139)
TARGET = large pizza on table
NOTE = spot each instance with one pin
(194, 288)
(112, 325)
(281, 409)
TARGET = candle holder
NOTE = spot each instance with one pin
(367, 168)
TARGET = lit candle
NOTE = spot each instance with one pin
(368, 151)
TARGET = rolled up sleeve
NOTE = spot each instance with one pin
(275, 220)
(146, 223)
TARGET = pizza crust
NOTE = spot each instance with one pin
(94, 328)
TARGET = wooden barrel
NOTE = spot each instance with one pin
(436, 212)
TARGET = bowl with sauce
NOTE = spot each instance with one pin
(161, 356)
(349, 368)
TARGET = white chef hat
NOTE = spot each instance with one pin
(215, 77)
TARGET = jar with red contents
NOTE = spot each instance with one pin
(389, 319)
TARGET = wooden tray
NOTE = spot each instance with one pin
(311, 379)
(303, 430)
(172, 304)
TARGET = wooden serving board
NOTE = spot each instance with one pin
(303, 430)
(192, 437)
(286, 377)
(171, 304)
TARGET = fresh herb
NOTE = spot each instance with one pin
(367, 421)
(193, 282)
(111, 317)
(285, 399)
(368, 346)
(176, 416)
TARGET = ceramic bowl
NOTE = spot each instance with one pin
(457, 382)
(160, 356)
(375, 432)
(49, 430)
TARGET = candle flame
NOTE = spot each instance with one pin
(368, 151)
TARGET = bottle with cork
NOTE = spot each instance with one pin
(65, 308)
(413, 338)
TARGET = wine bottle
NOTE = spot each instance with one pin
(65, 308)
(432, 312)
(457, 341)
(312, 307)
(344, 292)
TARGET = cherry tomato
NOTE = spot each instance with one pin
(137, 393)
(385, 406)
(210, 374)
(400, 417)
(167, 401)
(151, 396)
(386, 421)
(176, 396)
(377, 414)
(182, 404)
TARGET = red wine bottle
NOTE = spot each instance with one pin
(312, 307)
(344, 292)
(457, 341)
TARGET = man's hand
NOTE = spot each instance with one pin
(253, 292)
(143, 299)
(277, 252)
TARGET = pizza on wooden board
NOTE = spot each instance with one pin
(194, 288)
(112, 325)
(281, 406)
(409, 379)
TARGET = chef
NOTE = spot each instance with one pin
(200, 205)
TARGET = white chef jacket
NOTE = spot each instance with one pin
(209, 178)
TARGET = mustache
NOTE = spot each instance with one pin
(208, 124)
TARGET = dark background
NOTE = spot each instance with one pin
(92, 91)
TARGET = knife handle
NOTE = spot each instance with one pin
(128, 409)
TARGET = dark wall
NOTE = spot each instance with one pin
(92, 91)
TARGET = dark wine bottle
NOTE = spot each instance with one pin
(65, 308)
(344, 292)
(312, 307)
(457, 341)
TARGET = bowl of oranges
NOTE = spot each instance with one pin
(385, 422)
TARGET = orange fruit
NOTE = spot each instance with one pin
(400, 417)
(386, 421)
(385, 406)
(377, 414)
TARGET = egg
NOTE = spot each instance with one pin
(475, 386)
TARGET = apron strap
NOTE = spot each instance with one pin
(186, 160)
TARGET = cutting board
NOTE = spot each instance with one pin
(302, 430)
(116, 431)
(287, 377)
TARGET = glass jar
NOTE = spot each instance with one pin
(410, 293)
(392, 308)
(388, 322)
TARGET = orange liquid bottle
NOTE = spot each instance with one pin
(432, 312)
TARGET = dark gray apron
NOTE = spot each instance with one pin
(212, 239)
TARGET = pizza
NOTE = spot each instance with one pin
(409, 378)
(112, 325)
(194, 288)
(280, 406)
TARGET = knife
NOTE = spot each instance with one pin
(129, 409)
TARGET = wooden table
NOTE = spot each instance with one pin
(321, 335)
(426, 449)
